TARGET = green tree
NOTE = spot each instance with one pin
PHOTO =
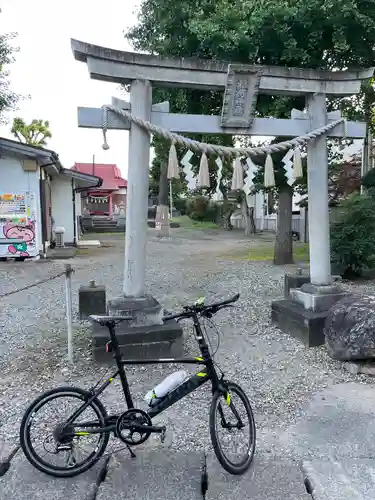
(344, 177)
(317, 34)
(8, 98)
(34, 134)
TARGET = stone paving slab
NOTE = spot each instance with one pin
(177, 475)
(344, 480)
(23, 481)
(338, 422)
(335, 435)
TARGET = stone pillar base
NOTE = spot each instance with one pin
(316, 298)
(304, 310)
(146, 336)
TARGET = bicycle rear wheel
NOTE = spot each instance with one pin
(41, 426)
(232, 413)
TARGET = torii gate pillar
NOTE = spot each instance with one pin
(137, 192)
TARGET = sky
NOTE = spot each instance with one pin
(46, 69)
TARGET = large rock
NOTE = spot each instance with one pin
(350, 328)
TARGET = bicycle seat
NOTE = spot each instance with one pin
(106, 320)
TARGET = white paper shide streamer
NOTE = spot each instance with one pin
(237, 179)
(204, 174)
(288, 167)
(173, 169)
(188, 171)
(269, 174)
(249, 177)
(297, 164)
(218, 193)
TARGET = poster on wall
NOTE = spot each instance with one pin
(18, 225)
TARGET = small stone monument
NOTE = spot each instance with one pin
(121, 219)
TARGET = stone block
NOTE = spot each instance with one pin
(145, 336)
(292, 318)
(144, 310)
(139, 342)
(91, 300)
(23, 481)
(314, 301)
(176, 475)
(294, 281)
(61, 253)
(350, 329)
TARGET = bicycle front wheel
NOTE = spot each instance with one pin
(43, 424)
(231, 417)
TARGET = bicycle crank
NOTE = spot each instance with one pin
(135, 426)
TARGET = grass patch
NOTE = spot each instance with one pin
(265, 253)
(187, 223)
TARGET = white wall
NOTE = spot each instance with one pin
(62, 205)
(13, 179)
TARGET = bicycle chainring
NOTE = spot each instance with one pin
(125, 430)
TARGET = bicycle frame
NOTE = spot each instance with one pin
(190, 385)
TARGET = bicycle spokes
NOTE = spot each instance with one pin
(232, 427)
(56, 444)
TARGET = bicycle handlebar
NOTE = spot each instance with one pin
(189, 311)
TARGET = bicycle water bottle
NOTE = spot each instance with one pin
(165, 387)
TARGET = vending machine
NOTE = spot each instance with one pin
(18, 225)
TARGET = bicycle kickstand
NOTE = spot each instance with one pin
(132, 454)
(204, 477)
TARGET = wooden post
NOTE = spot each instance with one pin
(137, 193)
(317, 182)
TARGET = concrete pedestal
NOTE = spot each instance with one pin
(143, 337)
(162, 223)
(91, 300)
(317, 298)
(303, 312)
(292, 318)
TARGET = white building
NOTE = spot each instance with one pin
(35, 192)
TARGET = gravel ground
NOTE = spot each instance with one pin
(277, 372)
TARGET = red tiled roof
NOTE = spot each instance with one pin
(110, 174)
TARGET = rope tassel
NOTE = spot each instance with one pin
(173, 169)
(297, 164)
(203, 175)
(269, 174)
(237, 179)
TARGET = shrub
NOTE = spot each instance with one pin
(181, 205)
(353, 235)
(202, 209)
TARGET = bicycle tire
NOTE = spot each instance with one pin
(28, 449)
(242, 467)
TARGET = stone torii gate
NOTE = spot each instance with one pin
(241, 85)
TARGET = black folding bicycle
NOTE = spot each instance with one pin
(86, 427)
